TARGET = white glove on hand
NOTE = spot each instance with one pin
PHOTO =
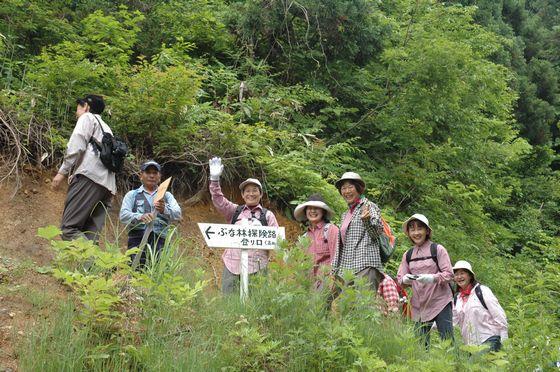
(426, 278)
(216, 168)
(408, 279)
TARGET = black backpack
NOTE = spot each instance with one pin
(239, 209)
(478, 292)
(112, 150)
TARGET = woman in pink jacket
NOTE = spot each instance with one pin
(477, 311)
(316, 214)
(426, 268)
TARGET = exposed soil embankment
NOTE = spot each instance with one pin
(26, 295)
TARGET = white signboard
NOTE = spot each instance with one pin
(241, 236)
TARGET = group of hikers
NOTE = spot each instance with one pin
(353, 246)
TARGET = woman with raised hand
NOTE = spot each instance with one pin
(316, 214)
(250, 213)
(477, 311)
(426, 267)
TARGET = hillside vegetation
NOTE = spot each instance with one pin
(446, 109)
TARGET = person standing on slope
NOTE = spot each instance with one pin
(477, 311)
(426, 267)
(250, 213)
(316, 215)
(91, 184)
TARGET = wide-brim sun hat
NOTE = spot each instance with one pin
(350, 176)
(418, 217)
(249, 181)
(465, 265)
(299, 212)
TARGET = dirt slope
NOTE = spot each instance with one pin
(25, 294)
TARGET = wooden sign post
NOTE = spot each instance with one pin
(242, 237)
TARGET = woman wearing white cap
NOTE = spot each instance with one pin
(426, 267)
(358, 250)
(477, 311)
(323, 234)
(250, 213)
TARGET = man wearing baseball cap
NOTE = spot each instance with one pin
(138, 209)
(250, 213)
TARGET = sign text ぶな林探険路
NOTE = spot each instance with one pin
(240, 236)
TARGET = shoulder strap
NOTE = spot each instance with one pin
(262, 217)
(239, 209)
(409, 255)
(433, 253)
(101, 126)
(236, 214)
(478, 292)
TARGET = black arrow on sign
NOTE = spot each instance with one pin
(208, 232)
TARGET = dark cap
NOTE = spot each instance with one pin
(150, 163)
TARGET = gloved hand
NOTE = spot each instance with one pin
(426, 278)
(216, 168)
(408, 279)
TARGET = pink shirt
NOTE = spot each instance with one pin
(321, 250)
(478, 324)
(428, 300)
(258, 258)
(345, 223)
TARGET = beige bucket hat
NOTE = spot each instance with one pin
(350, 176)
(465, 265)
(416, 216)
(249, 181)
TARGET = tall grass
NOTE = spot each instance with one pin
(283, 326)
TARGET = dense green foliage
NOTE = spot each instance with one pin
(445, 109)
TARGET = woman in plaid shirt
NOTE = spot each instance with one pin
(358, 248)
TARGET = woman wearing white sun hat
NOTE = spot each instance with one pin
(316, 214)
(477, 311)
(426, 267)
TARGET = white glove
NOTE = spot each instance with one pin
(408, 279)
(426, 278)
(216, 168)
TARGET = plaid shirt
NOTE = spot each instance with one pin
(388, 291)
(360, 248)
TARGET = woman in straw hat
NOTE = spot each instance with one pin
(426, 267)
(323, 234)
(477, 311)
